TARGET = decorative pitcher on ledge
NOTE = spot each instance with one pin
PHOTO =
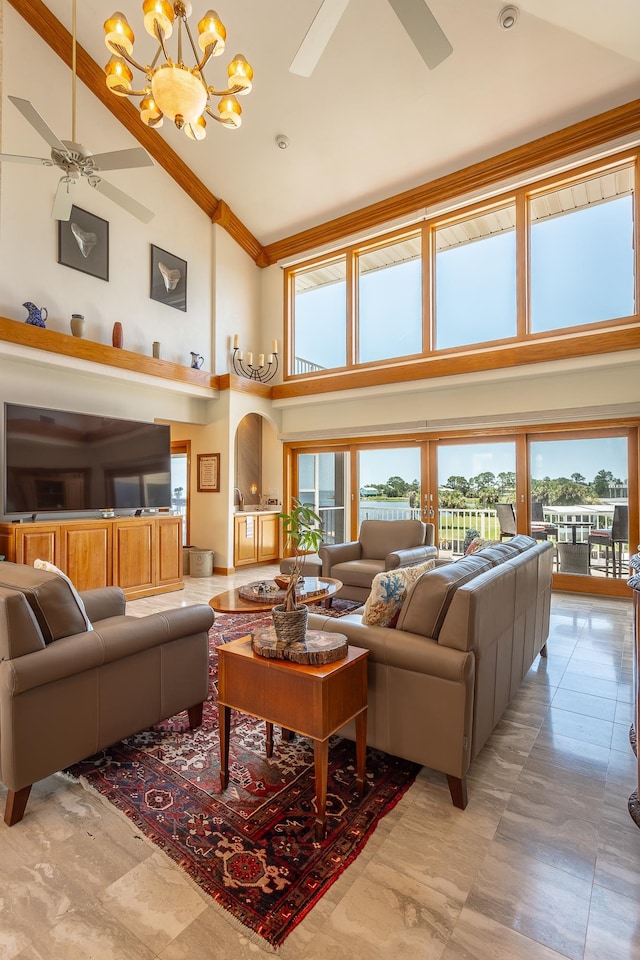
(37, 315)
(196, 360)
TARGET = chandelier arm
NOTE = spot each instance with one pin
(130, 93)
(160, 38)
(214, 116)
(125, 56)
(225, 93)
(208, 53)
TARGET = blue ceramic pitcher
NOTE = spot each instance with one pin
(37, 315)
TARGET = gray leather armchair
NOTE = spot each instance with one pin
(67, 692)
(382, 545)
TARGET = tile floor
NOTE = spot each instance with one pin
(543, 864)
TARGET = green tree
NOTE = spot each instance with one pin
(458, 484)
(602, 481)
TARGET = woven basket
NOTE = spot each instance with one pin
(290, 626)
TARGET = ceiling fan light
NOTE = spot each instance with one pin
(150, 113)
(230, 111)
(160, 12)
(240, 75)
(118, 33)
(196, 130)
(212, 31)
(178, 92)
(118, 75)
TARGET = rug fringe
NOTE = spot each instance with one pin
(249, 934)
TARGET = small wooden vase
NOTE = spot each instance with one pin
(116, 336)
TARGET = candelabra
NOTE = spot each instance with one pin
(262, 371)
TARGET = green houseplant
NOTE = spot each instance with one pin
(302, 528)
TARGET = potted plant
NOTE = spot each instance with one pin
(302, 528)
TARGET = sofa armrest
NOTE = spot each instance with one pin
(114, 641)
(409, 557)
(332, 553)
(103, 603)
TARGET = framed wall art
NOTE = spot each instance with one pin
(83, 243)
(168, 278)
(208, 473)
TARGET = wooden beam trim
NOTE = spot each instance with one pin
(49, 28)
(231, 381)
(539, 351)
(569, 141)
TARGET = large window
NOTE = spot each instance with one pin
(476, 279)
(547, 257)
(582, 252)
(390, 301)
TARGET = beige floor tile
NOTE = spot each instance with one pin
(613, 932)
(477, 937)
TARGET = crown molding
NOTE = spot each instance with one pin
(49, 28)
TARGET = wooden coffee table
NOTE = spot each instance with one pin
(314, 701)
(231, 602)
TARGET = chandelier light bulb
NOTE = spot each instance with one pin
(172, 88)
(212, 33)
(160, 12)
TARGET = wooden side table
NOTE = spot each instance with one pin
(314, 701)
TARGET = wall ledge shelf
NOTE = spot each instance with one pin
(122, 364)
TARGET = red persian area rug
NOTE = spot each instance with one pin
(251, 848)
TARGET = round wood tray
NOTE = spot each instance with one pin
(317, 648)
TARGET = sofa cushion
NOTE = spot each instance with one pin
(428, 600)
(49, 596)
(51, 568)
(358, 573)
(497, 553)
(388, 592)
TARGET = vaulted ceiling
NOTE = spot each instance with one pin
(372, 120)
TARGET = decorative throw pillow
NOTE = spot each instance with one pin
(388, 593)
(51, 568)
(469, 537)
(478, 543)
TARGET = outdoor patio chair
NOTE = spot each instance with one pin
(506, 519)
(540, 528)
(617, 533)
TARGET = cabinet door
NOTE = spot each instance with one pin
(133, 551)
(268, 539)
(39, 542)
(246, 540)
(88, 555)
(169, 550)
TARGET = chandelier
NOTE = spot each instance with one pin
(173, 89)
(261, 371)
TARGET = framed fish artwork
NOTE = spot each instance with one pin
(83, 243)
(168, 278)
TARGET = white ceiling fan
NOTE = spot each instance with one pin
(76, 161)
(414, 15)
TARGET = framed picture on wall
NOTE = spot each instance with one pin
(168, 278)
(208, 473)
(83, 243)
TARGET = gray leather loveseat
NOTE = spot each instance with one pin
(467, 634)
(67, 691)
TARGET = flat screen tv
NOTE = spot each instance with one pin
(57, 460)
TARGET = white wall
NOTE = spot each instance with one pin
(237, 285)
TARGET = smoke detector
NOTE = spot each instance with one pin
(281, 141)
(508, 17)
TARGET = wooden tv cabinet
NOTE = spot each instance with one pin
(143, 555)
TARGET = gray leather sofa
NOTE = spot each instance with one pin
(383, 545)
(67, 692)
(467, 634)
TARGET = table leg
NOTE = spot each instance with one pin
(321, 756)
(224, 719)
(361, 749)
(269, 739)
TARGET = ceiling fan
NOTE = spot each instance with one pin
(414, 15)
(76, 161)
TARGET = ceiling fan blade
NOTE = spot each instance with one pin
(423, 29)
(317, 37)
(122, 159)
(32, 116)
(124, 200)
(16, 158)
(63, 200)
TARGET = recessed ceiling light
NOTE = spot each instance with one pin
(508, 17)
(281, 141)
